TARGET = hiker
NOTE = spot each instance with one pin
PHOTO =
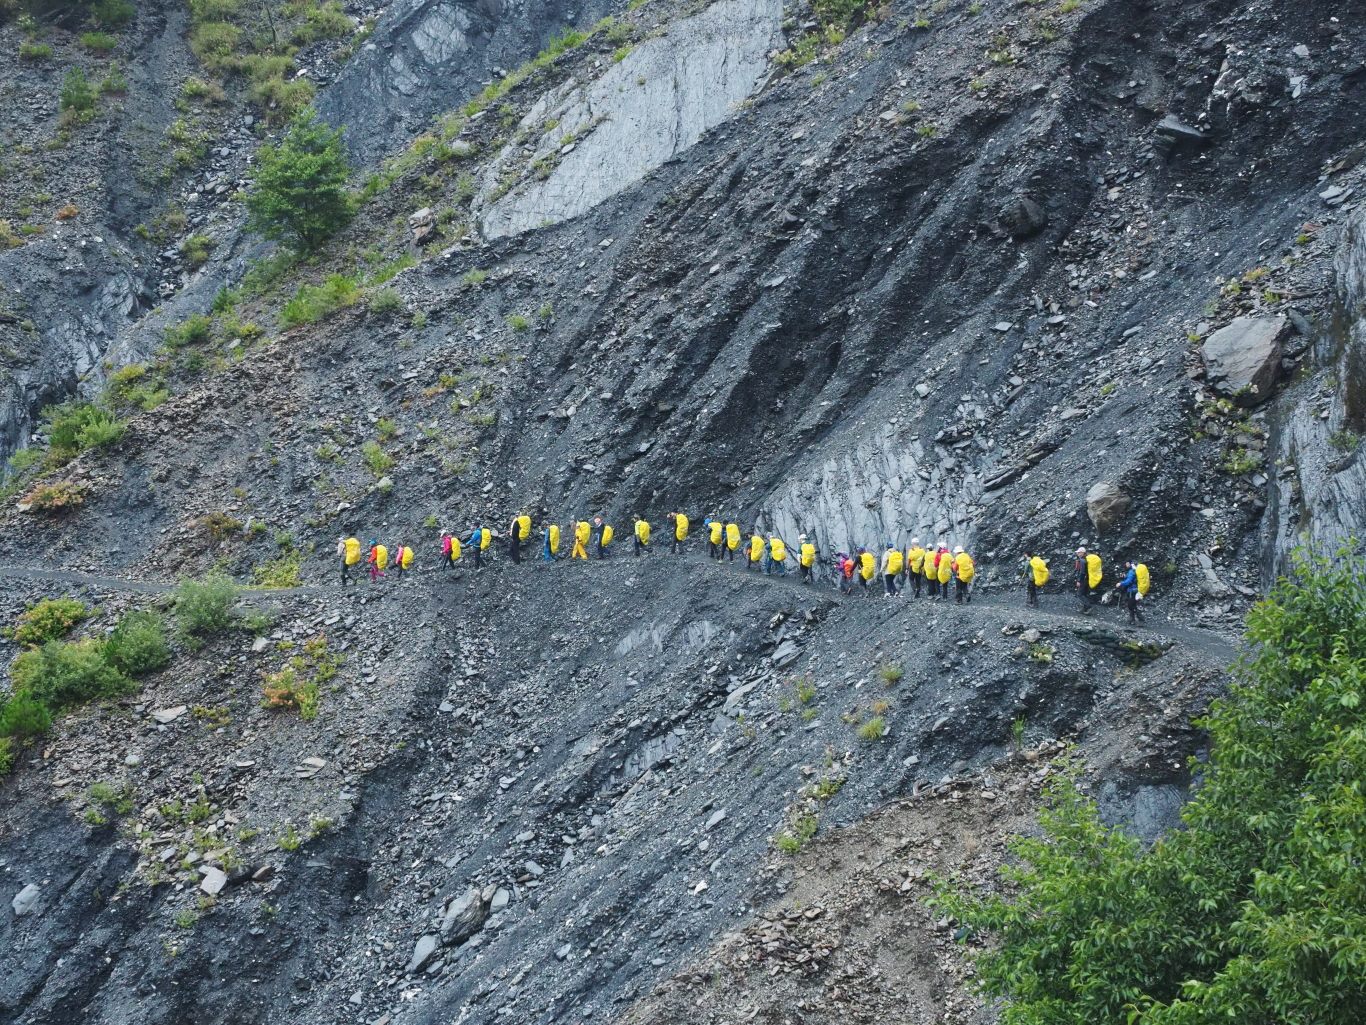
(378, 560)
(680, 523)
(867, 568)
(930, 568)
(943, 570)
(756, 550)
(732, 540)
(582, 531)
(806, 558)
(915, 564)
(550, 543)
(844, 573)
(893, 561)
(602, 536)
(963, 571)
(403, 559)
(453, 555)
(349, 550)
(1036, 575)
(777, 556)
(642, 537)
(1081, 576)
(446, 547)
(479, 539)
(715, 531)
(1132, 589)
(518, 533)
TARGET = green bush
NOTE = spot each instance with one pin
(98, 42)
(113, 14)
(385, 300)
(138, 645)
(311, 303)
(204, 607)
(213, 42)
(50, 619)
(300, 195)
(76, 426)
(64, 674)
(22, 717)
(326, 22)
(77, 93)
(196, 249)
(193, 330)
(6, 756)
(1253, 912)
(377, 461)
(35, 51)
(281, 572)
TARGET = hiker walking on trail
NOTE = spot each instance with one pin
(582, 531)
(777, 556)
(867, 568)
(446, 560)
(349, 550)
(550, 543)
(453, 552)
(893, 561)
(1087, 573)
(963, 571)
(806, 558)
(680, 525)
(403, 559)
(943, 570)
(756, 551)
(915, 564)
(715, 535)
(642, 537)
(931, 571)
(844, 573)
(732, 540)
(602, 536)
(518, 534)
(1036, 575)
(378, 560)
(1132, 589)
(480, 538)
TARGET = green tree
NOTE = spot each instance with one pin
(300, 194)
(1255, 912)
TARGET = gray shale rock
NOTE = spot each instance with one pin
(1243, 358)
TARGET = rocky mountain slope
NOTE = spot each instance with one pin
(948, 270)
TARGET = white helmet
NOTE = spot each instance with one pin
(958, 550)
(915, 540)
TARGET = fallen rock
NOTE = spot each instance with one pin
(1243, 358)
(214, 880)
(423, 951)
(1106, 504)
(1022, 217)
(25, 900)
(464, 916)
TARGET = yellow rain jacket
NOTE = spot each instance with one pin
(1040, 570)
(643, 532)
(381, 557)
(732, 536)
(523, 527)
(964, 567)
(715, 531)
(582, 530)
(808, 555)
(915, 557)
(756, 548)
(607, 534)
(895, 562)
(929, 564)
(945, 568)
(1093, 570)
(1142, 578)
(352, 551)
(681, 527)
(777, 550)
(405, 557)
(867, 566)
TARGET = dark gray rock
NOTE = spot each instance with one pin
(1106, 505)
(1022, 217)
(1243, 358)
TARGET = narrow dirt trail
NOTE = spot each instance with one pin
(1061, 610)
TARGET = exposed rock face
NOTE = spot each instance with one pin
(429, 56)
(609, 133)
(1106, 504)
(1243, 358)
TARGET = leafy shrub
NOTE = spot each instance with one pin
(35, 51)
(77, 93)
(115, 83)
(311, 303)
(196, 249)
(98, 42)
(112, 14)
(326, 22)
(204, 607)
(50, 619)
(283, 571)
(219, 525)
(60, 497)
(385, 300)
(198, 89)
(193, 330)
(23, 717)
(282, 98)
(6, 756)
(300, 195)
(517, 322)
(376, 460)
(75, 426)
(213, 42)
(138, 645)
(133, 386)
(874, 729)
(1253, 911)
(64, 674)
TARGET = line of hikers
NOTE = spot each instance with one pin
(933, 569)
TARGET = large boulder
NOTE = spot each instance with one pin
(465, 915)
(1106, 504)
(1243, 358)
(1022, 217)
